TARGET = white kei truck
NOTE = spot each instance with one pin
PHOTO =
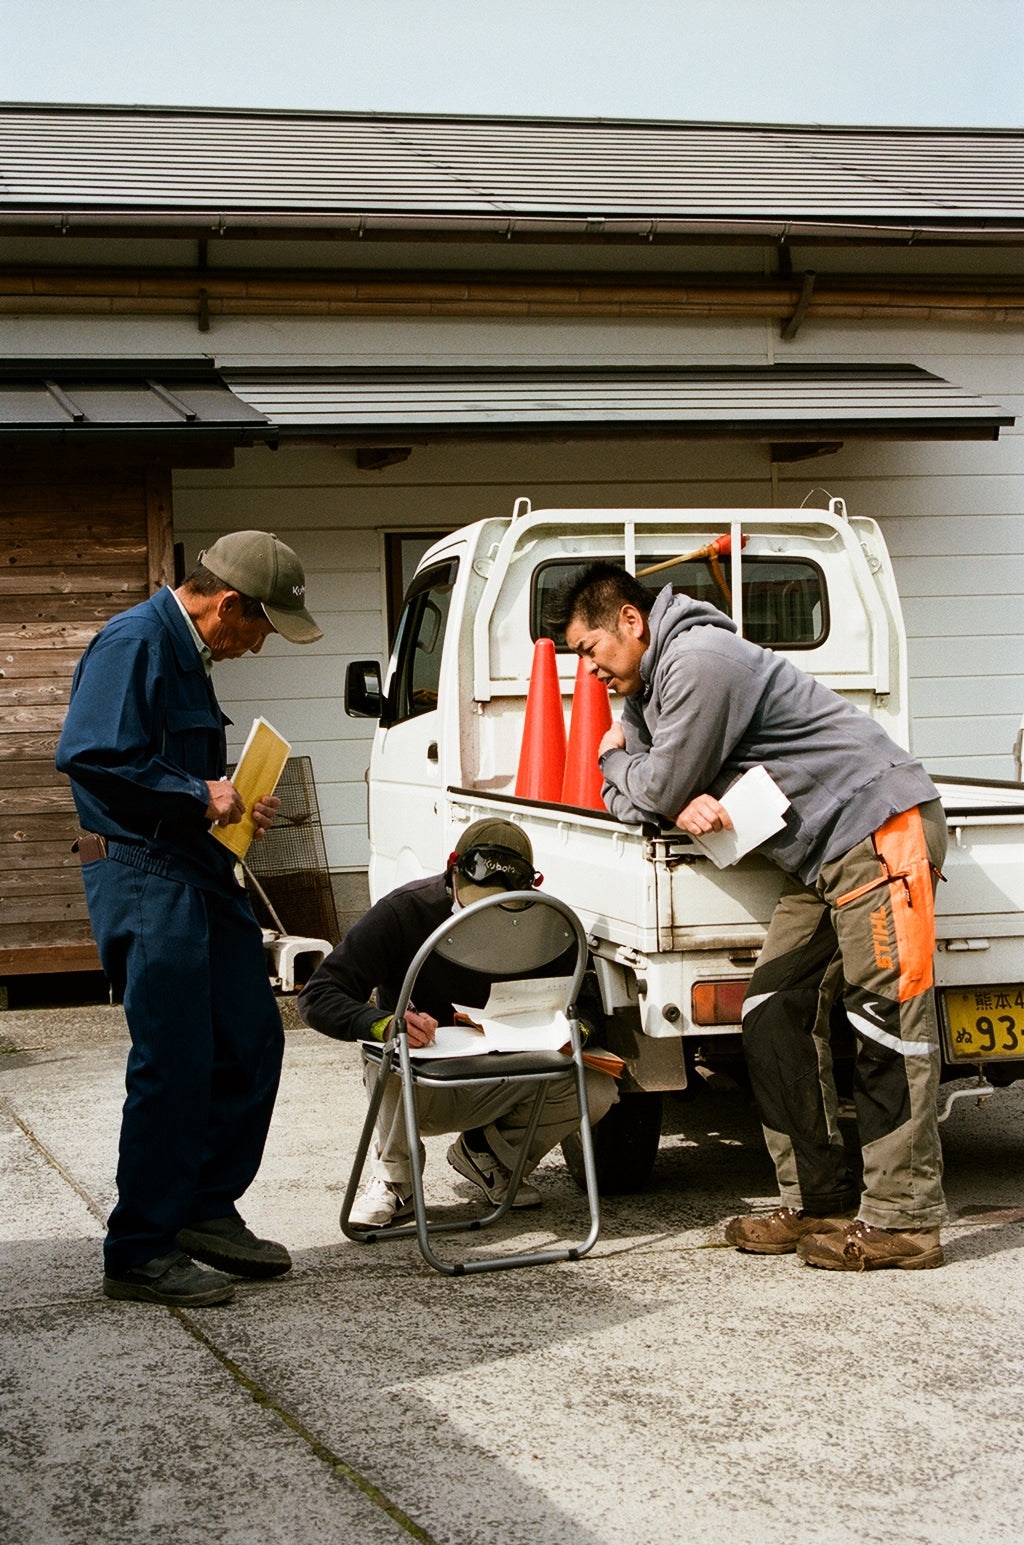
(672, 937)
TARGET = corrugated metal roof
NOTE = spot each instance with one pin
(153, 398)
(66, 159)
(763, 401)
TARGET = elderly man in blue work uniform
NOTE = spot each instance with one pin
(144, 747)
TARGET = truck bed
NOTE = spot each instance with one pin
(649, 890)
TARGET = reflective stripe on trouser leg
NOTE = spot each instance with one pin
(882, 895)
(785, 1039)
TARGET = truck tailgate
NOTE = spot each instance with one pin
(599, 867)
(980, 907)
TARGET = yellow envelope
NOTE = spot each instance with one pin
(259, 767)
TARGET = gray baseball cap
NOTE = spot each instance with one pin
(258, 564)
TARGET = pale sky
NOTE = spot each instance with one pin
(925, 62)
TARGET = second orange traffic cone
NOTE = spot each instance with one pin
(591, 717)
(542, 756)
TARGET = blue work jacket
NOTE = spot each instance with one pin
(143, 734)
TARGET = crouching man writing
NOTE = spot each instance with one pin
(491, 856)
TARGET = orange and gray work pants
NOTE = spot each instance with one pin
(866, 929)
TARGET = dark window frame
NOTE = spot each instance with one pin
(395, 569)
(401, 703)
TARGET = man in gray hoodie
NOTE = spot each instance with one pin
(862, 844)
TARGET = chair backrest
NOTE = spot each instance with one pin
(509, 935)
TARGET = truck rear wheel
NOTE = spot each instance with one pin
(625, 1145)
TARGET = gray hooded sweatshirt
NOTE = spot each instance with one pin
(713, 705)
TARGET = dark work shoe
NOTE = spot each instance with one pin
(862, 1247)
(227, 1244)
(170, 1279)
(779, 1232)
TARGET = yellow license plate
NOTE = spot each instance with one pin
(984, 1024)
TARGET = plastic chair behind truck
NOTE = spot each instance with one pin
(524, 931)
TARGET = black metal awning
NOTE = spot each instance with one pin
(157, 401)
(801, 404)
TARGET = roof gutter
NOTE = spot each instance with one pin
(356, 225)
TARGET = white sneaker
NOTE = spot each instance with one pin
(487, 1171)
(379, 1203)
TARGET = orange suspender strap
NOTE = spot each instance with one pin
(903, 853)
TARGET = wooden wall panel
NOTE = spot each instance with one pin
(77, 546)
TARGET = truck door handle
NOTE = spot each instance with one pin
(432, 751)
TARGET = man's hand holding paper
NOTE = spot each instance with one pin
(264, 811)
(226, 804)
(751, 809)
(704, 814)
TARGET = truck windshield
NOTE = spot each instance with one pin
(419, 638)
(784, 601)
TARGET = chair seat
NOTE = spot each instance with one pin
(486, 1066)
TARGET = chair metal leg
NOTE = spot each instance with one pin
(423, 1230)
(589, 1161)
(363, 1146)
(565, 1252)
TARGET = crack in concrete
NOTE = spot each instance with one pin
(51, 1158)
(335, 1463)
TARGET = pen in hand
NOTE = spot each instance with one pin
(420, 1027)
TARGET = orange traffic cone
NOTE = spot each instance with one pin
(542, 757)
(591, 716)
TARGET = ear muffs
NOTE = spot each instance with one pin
(493, 867)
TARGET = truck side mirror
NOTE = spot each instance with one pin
(364, 697)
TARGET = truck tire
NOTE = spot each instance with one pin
(625, 1145)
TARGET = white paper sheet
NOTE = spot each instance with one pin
(518, 1016)
(757, 807)
(524, 1015)
(450, 1041)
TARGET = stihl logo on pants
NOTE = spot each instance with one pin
(881, 938)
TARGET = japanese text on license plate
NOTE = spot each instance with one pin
(985, 1023)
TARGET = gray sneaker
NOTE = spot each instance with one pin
(487, 1171)
(227, 1243)
(379, 1203)
(170, 1279)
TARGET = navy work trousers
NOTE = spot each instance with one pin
(206, 1052)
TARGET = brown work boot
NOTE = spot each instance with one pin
(779, 1232)
(862, 1247)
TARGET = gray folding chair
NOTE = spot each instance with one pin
(523, 931)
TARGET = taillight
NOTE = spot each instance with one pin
(718, 1003)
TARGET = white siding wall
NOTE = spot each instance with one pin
(953, 517)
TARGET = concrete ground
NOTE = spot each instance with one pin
(664, 1389)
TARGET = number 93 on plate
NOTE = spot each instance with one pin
(984, 1024)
